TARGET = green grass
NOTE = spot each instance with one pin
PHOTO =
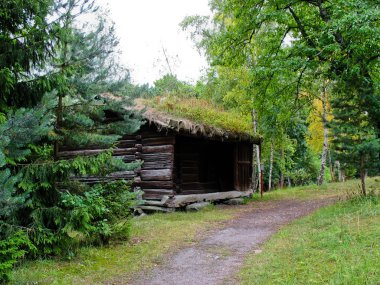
(152, 237)
(339, 244)
(204, 112)
(156, 235)
(347, 189)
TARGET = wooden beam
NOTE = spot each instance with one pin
(158, 149)
(182, 200)
(160, 175)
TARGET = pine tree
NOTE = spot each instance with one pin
(75, 65)
(355, 141)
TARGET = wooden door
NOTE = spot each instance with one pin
(243, 166)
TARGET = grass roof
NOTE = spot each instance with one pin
(204, 112)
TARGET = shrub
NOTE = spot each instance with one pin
(11, 250)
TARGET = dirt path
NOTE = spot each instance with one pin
(217, 256)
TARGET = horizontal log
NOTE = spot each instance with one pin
(154, 184)
(157, 165)
(152, 196)
(158, 149)
(158, 141)
(124, 173)
(163, 200)
(156, 209)
(161, 175)
(159, 191)
(126, 143)
(127, 158)
(183, 200)
(153, 157)
(88, 152)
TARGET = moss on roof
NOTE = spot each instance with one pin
(204, 112)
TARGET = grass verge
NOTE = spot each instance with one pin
(152, 237)
(156, 235)
(339, 244)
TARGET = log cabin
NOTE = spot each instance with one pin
(184, 162)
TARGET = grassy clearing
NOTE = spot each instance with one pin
(339, 244)
(152, 237)
(155, 235)
(345, 190)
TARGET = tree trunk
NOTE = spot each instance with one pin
(256, 172)
(332, 171)
(289, 182)
(282, 170)
(363, 173)
(325, 138)
(270, 166)
(59, 114)
(338, 170)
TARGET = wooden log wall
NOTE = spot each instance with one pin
(157, 169)
(156, 150)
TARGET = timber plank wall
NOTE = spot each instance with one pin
(155, 149)
(177, 165)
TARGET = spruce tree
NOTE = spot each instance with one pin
(74, 66)
(355, 141)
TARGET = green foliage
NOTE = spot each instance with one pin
(355, 142)
(60, 213)
(99, 213)
(26, 42)
(12, 249)
(286, 48)
(204, 112)
(57, 64)
(170, 85)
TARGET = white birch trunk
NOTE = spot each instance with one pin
(256, 157)
(270, 166)
(321, 176)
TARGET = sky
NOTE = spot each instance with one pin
(148, 27)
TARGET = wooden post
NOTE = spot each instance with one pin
(261, 167)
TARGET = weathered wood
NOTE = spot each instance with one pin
(139, 147)
(127, 158)
(162, 202)
(155, 209)
(155, 184)
(168, 192)
(161, 175)
(86, 152)
(158, 149)
(182, 200)
(126, 143)
(235, 201)
(122, 174)
(155, 157)
(197, 206)
(158, 141)
(157, 165)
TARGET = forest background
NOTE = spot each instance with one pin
(304, 75)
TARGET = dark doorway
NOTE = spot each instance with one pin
(204, 166)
